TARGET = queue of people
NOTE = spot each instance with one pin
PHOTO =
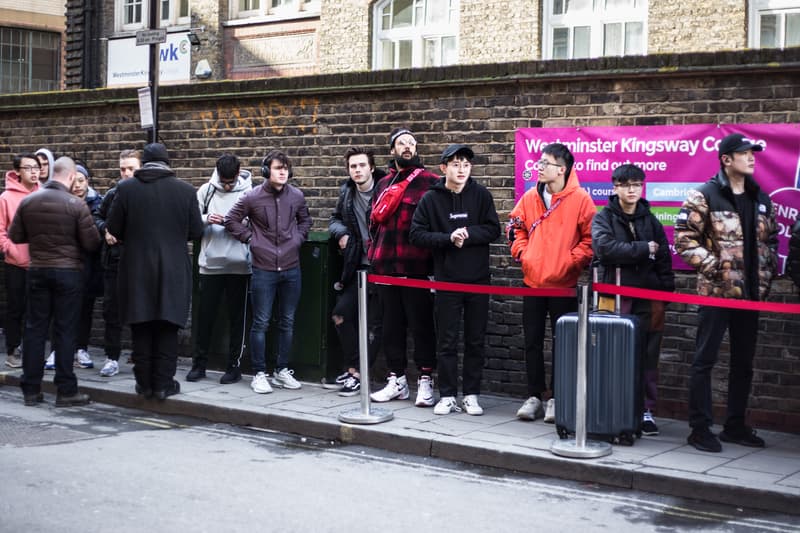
(405, 221)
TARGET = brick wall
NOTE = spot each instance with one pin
(315, 118)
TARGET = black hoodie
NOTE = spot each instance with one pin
(439, 213)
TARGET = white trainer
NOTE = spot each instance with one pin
(285, 378)
(260, 384)
(50, 364)
(111, 368)
(395, 389)
(531, 409)
(424, 392)
(82, 359)
(550, 411)
(471, 405)
(446, 405)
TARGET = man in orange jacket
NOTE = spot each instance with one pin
(553, 241)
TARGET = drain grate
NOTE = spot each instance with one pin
(18, 432)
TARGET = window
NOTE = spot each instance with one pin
(574, 29)
(415, 33)
(774, 23)
(29, 60)
(133, 15)
(241, 9)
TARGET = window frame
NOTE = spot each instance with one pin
(757, 8)
(419, 35)
(265, 10)
(596, 19)
(173, 20)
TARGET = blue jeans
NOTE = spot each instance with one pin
(53, 294)
(264, 287)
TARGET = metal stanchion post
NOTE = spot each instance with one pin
(579, 447)
(364, 415)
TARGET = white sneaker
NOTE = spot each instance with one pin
(82, 359)
(550, 411)
(50, 364)
(446, 405)
(260, 384)
(395, 389)
(531, 409)
(424, 392)
(111, 368)
(471, 405)
(285, 378)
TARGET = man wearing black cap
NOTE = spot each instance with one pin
(457, 220)
(726, 230)
(154, 215)
(391, 253)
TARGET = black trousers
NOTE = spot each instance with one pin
(449, 308)
(85, 321)
(155, 354)
(534, 319)
(406, 308)
(347, 308)
(212, 289)
(112, 337)
(16, 279)
(742, 327)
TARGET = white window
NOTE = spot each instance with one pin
(774, 23)
(135, 14)
(573, 29)
(242, 9)
(415, 33)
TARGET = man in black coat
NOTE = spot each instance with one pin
(154, 215)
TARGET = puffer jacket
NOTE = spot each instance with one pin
(793, 259)
(58, 227)
(708, 237)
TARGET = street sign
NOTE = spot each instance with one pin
(151, 36)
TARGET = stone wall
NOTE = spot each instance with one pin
(344, 36)
(315, 118)
(499, 30)
(696, 26)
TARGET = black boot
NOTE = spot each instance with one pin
(197, 373)
(171, 390)
(232, 375)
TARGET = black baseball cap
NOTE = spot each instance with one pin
(454, 149)
(736, 142)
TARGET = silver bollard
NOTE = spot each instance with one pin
(579, 447)
(364, 415)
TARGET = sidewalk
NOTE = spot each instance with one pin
(766, 478)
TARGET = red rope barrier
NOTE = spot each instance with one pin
(469, 287)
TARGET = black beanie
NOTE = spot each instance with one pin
(155, 152)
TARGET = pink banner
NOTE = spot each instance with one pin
(675, 160)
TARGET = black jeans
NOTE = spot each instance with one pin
(53, 294)
(155, 354)
(742, 328)
(212, 288)
(85, 321)
(403, 308)
(449, 308)
(534, 318)
(112, 337)
(16, 290)
(347, 308)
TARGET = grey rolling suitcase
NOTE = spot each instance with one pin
(613, 396)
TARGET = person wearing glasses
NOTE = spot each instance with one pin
(726, 230)
(20, 182)
(627, 235)
(552, 239)
(224, 268)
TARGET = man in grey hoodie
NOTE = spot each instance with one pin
(224, 268)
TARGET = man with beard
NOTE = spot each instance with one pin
(394, 201)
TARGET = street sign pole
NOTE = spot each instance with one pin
(154, 69)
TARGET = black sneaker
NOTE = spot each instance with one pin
(232, 375)
(744, 436)
(196, 373)
(649, 427)
(75, 400)
(171, 390)
(704, 440)
(33, 399)
(351, 387)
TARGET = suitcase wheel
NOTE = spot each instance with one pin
(625, 439)
(562, 432)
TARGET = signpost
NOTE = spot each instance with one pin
(153, 37)
(157, 36)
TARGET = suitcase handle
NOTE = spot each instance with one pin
(596, 295)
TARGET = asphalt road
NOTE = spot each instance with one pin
(102, 468)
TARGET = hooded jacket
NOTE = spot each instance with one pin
(220, 252)
(708, 237)
(439, 213)
(560, 247)
(14, 254)
(50, 160)
(614, 244)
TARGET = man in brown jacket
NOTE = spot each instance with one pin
(59, 229)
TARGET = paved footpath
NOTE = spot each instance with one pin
(766, 478)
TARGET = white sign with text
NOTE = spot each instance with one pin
(128, 64)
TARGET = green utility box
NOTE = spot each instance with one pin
(316, 353)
